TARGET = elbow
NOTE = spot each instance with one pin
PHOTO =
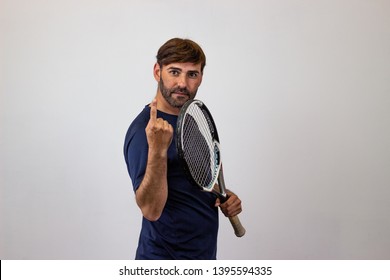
(150, 211)
(151, 216)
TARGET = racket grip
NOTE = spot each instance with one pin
(239, 230)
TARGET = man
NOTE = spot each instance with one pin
(179, 221)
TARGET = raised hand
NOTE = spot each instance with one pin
(159, 132)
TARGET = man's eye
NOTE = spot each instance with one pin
(174, 72)
(193, 75)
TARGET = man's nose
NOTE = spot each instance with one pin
(182, 81)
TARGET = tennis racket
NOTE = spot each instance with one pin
(198, 148)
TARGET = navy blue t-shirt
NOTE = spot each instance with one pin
(188, 226)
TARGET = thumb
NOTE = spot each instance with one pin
(217, 202)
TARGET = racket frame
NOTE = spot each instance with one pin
(220, 189)
(179, 144)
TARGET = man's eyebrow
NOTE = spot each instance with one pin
(193, 71)
(175, 68)
(181, 70)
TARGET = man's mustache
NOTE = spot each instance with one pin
(180, 90)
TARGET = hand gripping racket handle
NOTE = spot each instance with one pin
(239, 230)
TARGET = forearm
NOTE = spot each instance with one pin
(152, 193)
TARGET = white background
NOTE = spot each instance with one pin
(300, 91)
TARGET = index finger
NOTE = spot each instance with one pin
(153, 110)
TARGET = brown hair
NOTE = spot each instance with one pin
(181, 50)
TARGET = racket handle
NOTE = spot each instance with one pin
(239, 230)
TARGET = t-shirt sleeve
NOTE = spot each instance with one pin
(136, 154)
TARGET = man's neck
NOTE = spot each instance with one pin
(164, 106)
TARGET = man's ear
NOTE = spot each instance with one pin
(157, 72)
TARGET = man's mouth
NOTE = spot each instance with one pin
(181, 93)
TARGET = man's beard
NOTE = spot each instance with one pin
(179, 101)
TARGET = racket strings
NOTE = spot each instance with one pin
(204, 127)
(198, 146)
(197, 153)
